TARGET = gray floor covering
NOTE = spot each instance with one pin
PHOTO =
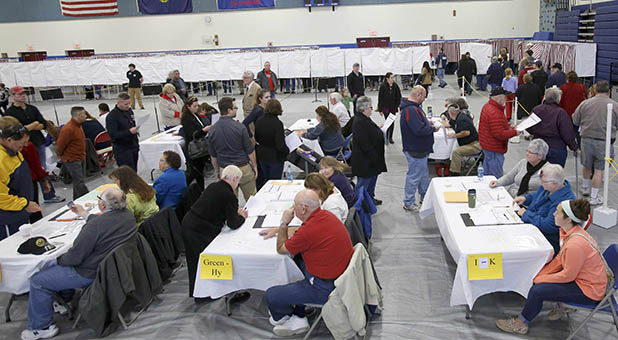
(414, 267)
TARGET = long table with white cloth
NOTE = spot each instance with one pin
(151, 149)
(59, 228)
(522, 247)
(255, 262)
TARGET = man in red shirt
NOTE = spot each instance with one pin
(267, 79)
(71, 148)
(326, 249)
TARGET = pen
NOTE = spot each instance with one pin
(505, 216)
(57, 236)
(66, 220)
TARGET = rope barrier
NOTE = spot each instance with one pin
(487, 97)
(613, 164)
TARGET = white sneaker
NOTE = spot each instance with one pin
(47, 333)
(294, 325)
(596, 200)
(584, 191)
(279, 322)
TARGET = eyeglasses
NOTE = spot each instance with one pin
(532, 153)
(14, 132)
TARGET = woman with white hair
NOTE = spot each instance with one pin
(524, 177)
(170, 105)
(555, 128)
(538, 208)
(216, 206)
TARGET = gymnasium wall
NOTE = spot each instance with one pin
(256, 28)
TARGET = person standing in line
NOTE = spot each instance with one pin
(495, 73)
(120, 124)
(441, 62)
(267, 79)
(529, 95)
(389, 98)
(135, 86)
(32, 119)
(539, 76)
(248, 100)
(591, 117)
(495, 132)
(509, 83)
(271, 150)
(71, 147)
(557, 77)
(356, 83)
(417, 141)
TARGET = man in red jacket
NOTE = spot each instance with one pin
(495, 132)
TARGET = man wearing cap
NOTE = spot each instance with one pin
(495, 132)
(557, 77)
(539, 76)
(16, 193)
(30, 117)
(77, 268)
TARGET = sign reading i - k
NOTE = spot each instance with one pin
(485, 266)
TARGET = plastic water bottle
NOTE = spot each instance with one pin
(289, 174)
(429, 112)
(480, 172)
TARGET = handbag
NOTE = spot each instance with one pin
(198, 147)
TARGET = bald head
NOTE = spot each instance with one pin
(305, 203)
(418, 94)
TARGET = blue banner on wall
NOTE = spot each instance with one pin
(164, 6)
(242, 4)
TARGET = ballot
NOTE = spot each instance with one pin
(529, 122)
(139, 121)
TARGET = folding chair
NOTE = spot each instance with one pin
(345, 153)
(104, 155)
(472, 162)
(608, 304)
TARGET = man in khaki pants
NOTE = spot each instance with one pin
(249, 97)
(230, 145)
(466, 135)
(135, 86)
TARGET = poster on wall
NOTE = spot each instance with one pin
(243, 4)
(164, 6)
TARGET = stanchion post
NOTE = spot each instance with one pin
(603, 216)
(515, 139)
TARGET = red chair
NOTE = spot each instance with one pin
(105, 155)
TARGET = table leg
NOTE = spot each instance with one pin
(468, 311)
(7, 311)
(152, 174)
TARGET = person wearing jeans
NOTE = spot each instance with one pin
(441, 62)
(71, 147)
(417, 139)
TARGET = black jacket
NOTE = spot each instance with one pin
(26, 116)
(216, 206)
(191, 123)
(356, 84)
(128, 276)
(529, 96)
(367, 148)
(262, 80)
(389, 97)
(163, 233)
(466, 68)
(118, 123)
(271, 147)
(539, 77)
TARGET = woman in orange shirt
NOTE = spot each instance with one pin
(578, 274)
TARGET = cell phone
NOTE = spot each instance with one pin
(70, 204)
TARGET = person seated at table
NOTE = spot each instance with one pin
(271, 150)
(578, 274)
(103, 111)
(216, 206)
(331, 198)
(327, 132)
(537, 207)
(524, 177)
(77, 268)
(206, 112)
(466, 134)
(170, 105)
(92, 128)
(172, 183)
(332, 169)
(141, 198)
(325, 247)
(261, 99)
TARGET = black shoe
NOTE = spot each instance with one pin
(377, 201)
(453, 174)
(240, 297)
(203, 300)
(391, 141)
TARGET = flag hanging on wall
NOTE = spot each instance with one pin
(164, 6)
(88, 8)
(242, 4)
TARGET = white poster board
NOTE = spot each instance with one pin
(420, 54)
(403, 61)
(585, 59)
(481, 53)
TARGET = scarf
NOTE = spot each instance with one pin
(525, 181)
(173, 100)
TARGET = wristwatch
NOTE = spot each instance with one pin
(283, 222)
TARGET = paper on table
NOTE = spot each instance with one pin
(214, 118)
(139, 121)
(529, 122)
(287, 195)
(255, 206)
(388, 122)
(292, 141)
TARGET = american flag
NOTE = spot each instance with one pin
(88, 8)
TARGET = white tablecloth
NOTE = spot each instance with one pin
(304, 124)
(151, 149)
(442, 145)
(524, 248)
(255, 261)
(18, 268)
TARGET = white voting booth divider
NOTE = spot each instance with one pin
(481, 53)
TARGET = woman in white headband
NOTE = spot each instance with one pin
(578, 274)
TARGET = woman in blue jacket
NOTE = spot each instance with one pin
(172, 183)
(538, 208)
(327, 132)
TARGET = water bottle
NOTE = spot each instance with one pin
(429, 112)
(289, 174)
(480, 172)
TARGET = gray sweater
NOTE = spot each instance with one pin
(513, 178)
(97, 238)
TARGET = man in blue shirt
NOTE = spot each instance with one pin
(441, 62)
(172, 183)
